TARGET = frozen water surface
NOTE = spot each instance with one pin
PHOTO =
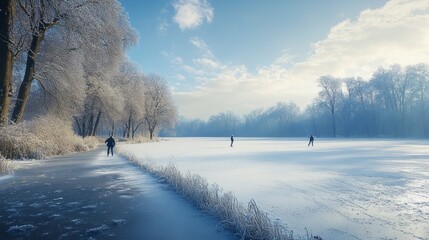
(90, 196)
(338, 189)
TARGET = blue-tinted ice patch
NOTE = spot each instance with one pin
(21, 229)
(97, 230)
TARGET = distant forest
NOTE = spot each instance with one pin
(393, 103)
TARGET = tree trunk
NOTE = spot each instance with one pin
(79, 129)
(127, 130)
(425, 126)
(112, 129)
(90, 125)
(151, 134)
(83, 126)
(97, 121)
(135, 129)
(24, 89)
(6, 57)
(129, 125)
(132, 134)
(334, 127)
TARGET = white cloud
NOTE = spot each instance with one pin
(163, 27)
(396, 33)
(202, 47)
(285, 58)
(192, 13)
(180, 77)
(171, 57)
(206, 62)
(234, 88)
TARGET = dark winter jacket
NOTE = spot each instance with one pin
(110, 142)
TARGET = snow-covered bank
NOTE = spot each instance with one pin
(339, 189)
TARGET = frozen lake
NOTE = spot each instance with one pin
(338, 189)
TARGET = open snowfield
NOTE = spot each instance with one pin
(338, 189)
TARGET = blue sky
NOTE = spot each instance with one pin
(239, 55)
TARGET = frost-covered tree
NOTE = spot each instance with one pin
(95, 27)
(252, 123)
(131, 83)
(112, 34)
(420, 75)
(159, 107)
(359, 107)
(59, 79)
(280, 116)
(395, 94)
(103, 99)
(330, 96)
(223, 124)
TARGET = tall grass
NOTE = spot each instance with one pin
(91, 142)
(5, 165)
(40, 138)
(248, 222)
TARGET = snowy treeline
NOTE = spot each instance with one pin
(393, 103)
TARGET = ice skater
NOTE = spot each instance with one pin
(110, 142)
(232, 139)
(311, 140)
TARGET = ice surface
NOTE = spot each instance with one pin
(90, 196)
(5, 177)
(21, 229)
(339, 189)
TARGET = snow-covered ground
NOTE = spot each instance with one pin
(338, 189)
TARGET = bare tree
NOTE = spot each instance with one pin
(159, 108)
(223, 124)
(131, 83)
(395, 89)
(102, 99)
(420, 75)
(6, 57)
(361, 98)
(252, 123)
(330, 96)
(281, 116)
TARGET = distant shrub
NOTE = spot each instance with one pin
(142, 139)
(17, 142)
(57, 136)
(248, 222)
(39, 138)
(139, 139)
(5, 165)
(91, 142)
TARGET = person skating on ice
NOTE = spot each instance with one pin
(110, 143)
